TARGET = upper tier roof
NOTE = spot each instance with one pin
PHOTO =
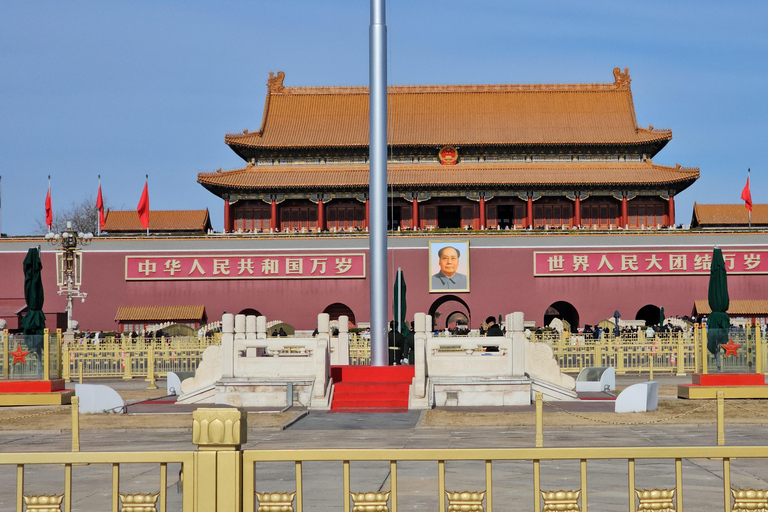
(350, 176)
(435, 115)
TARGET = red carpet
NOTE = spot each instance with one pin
(371, 388)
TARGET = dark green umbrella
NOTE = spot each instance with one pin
(718, 323)
(661, 316)
(399, 304)
(34, 320)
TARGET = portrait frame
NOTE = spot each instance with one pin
(439, 284)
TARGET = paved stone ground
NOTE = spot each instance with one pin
(417, 481)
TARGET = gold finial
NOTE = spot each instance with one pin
(275, 83)
(621, 80)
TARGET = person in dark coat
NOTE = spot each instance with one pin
(493, 330)
(396, 343)
(408, 346)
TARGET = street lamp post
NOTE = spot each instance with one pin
(69, 265)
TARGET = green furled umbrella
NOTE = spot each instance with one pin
(34, 321)
(399, 304)
(661, 316)
(718, 323)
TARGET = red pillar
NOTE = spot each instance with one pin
(624, 214)
(577, 212)
(671, 207)
(320, 216)
(367, 214)
(229, 217)
(482, 214)
(273, 216)
(415, 219)
(529, 213)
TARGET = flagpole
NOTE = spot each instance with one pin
(146, 177)
(98, 217)
(750, 197)
(48, 201)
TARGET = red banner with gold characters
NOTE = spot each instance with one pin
(645, 262)
(174, 267)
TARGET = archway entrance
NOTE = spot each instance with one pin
(448, 307)
(564, 311)
(249, 312)
(338, 309)
(649, 313)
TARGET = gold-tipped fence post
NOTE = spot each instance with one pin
(703, 349)
(80, 372)
(59, 358)
(696, 355)
(65, 374)
(151, 368)
(720, 418)
(539, 420)
(46, 355)
(127, 375)
(680, 355)
(218, 434)
(75, 405)
(758, 349)
(650, 361)
(5, 354)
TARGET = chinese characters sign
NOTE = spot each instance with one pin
(245, 266)
(631, 262)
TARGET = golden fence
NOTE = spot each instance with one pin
(30, 357)
(679, 353)
(127, 360)
(219, 476)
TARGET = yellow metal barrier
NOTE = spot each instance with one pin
(467, 489)
(220, 477)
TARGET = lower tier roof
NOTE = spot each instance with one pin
(465, 175)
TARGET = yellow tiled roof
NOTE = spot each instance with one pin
(734, 215)
(737, 307)
(428, 175)
(159, 220)
(159, 313)
(505, 114)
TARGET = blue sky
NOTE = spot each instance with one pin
(125, 89)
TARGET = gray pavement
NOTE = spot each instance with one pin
(417, 481)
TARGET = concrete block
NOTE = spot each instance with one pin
(97, 398)
(642, 397)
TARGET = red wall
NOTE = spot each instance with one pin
(501, 280)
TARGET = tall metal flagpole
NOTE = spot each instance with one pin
(377, 190)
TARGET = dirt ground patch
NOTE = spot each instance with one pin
(60, 418)
(671, 411)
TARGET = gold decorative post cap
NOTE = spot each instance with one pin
(44, 503)
(465, 501)
(219, 429)
(138, 502)
(561, 500)
(658, 500)
(370, 501)
(275, 501)
(749, 500)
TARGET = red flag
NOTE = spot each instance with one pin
(746, 195)
(143, 208)
(48, 209)
(100, 207)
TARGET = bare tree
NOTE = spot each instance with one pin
(83, 215)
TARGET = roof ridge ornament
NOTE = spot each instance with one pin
(275, 83)
(621, 80)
